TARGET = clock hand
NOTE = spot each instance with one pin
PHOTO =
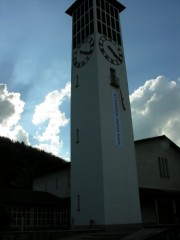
(85, 52)
(115, 55)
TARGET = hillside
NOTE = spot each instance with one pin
(21, 163)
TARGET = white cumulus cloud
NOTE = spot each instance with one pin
(156, 110)
(48, 113)
(11, 108)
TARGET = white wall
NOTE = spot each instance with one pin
(57, 183)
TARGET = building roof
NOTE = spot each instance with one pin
(161, 138)
(144, 140)
(21, 196)
(77, 3)
(151, 138)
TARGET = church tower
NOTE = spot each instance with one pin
(104, 185)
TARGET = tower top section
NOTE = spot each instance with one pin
(77, 3)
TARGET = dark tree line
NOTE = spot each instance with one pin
(20, 163)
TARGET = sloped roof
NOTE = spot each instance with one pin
(161, 138)
(21, 196)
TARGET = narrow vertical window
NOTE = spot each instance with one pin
(109, 31)
(56, 183)
(86, 6)
(77, 135)
(98, 3)
(163, 167)
(104, 29)
(91, 14)
(91, 27)
(119, 39)
(103, 5)
(87, 17)
(103, 17)
(160, 167)
(166, 167)
(69, 178)
(108, 20)
(113, 79)
(99, 26)
(78, 13)
(77, 81)
(78, 203)
(74, 29)
(98, 14)
(90, 3)
(87, 30)
(46, 185)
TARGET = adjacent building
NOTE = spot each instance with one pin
(158, 164)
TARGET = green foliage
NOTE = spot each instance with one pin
(19, 164)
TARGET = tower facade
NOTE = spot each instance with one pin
(104, 185)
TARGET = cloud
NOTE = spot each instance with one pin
(30, 34)
(51, 119)
(20, 135)
(154, 105)
(11, 108)
(155, 109)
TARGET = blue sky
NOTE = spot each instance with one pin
(151, 33)
(35, 70)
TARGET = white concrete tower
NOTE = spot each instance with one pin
(104, 186)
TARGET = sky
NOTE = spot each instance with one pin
(35, 70)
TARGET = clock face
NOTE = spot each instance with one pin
(83, 52)
(111, 50)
